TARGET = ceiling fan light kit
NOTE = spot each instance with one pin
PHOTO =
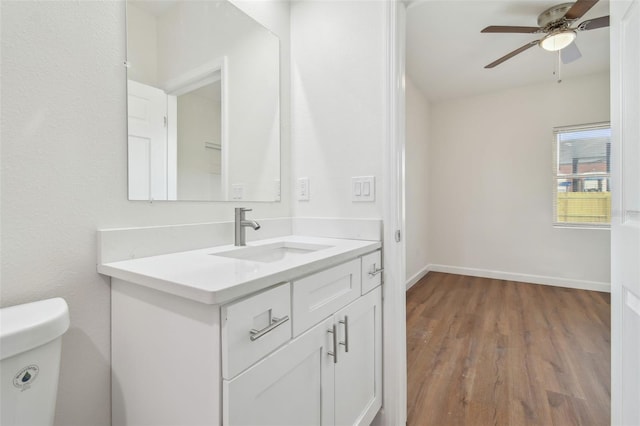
(558, 40)
(555, 23)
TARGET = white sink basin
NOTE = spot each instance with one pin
(275, 252)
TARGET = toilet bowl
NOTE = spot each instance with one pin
(30, 343)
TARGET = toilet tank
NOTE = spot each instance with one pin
(30, 343)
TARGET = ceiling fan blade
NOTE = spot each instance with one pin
(592, 24)
(512, 54)
(510, 29)
(570, 53)
(579, 8)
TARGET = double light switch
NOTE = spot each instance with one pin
(363, 188)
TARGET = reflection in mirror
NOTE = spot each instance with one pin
(203, 103)
(199, 176)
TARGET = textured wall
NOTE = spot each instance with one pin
(64, 175)
(338, 114)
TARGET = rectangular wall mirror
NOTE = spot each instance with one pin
(203, 86)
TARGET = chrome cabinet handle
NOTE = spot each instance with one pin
(346, 333)
(275, 322)
(375, 271)
(334, 353)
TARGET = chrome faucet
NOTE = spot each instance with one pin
(241, 224)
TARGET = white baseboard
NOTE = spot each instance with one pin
(417, 276)
(525, 278)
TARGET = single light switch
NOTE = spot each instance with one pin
(358, 189)
(366, 189)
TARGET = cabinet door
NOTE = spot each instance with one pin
(358, 373)
(293, 386)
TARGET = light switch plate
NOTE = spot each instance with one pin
(363, 189)
(303, 189)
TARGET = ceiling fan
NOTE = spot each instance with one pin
(556, 23)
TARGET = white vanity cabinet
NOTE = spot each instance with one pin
(305, 351)
(316, 379)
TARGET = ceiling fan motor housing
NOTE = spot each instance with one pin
(553, 17)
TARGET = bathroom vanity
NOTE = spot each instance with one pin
(285, 331)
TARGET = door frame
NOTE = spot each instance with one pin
(394, 402)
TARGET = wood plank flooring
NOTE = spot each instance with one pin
(492, 352)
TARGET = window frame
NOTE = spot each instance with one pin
(555, 175)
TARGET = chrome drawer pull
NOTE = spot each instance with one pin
(375, 271)
(346, 333)
(275, 322)
(334, 353)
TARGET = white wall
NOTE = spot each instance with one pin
(417, 181)
(63, 129)
(338, 114)
(254, 118)
(142, 46)
(490, 182)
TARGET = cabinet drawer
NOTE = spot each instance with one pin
(319, 295)
(371, 271)
(253, 327)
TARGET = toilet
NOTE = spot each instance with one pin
(30, 343)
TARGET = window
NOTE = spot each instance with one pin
(582, 162)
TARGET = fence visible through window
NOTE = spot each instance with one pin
(582, 167)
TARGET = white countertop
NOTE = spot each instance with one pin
(202, 276)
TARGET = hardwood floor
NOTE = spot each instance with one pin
(492, 352)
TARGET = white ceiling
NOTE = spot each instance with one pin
(446, 53)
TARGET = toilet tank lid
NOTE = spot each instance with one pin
(24, 327)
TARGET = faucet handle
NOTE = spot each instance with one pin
(243, 209)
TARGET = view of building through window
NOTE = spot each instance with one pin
(582, 167)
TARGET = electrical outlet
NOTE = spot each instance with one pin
(237, 191)
(303, 189)
(363, 188)
(277, 190)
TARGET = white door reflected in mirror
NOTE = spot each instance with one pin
(147, 108)
(203, 103)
